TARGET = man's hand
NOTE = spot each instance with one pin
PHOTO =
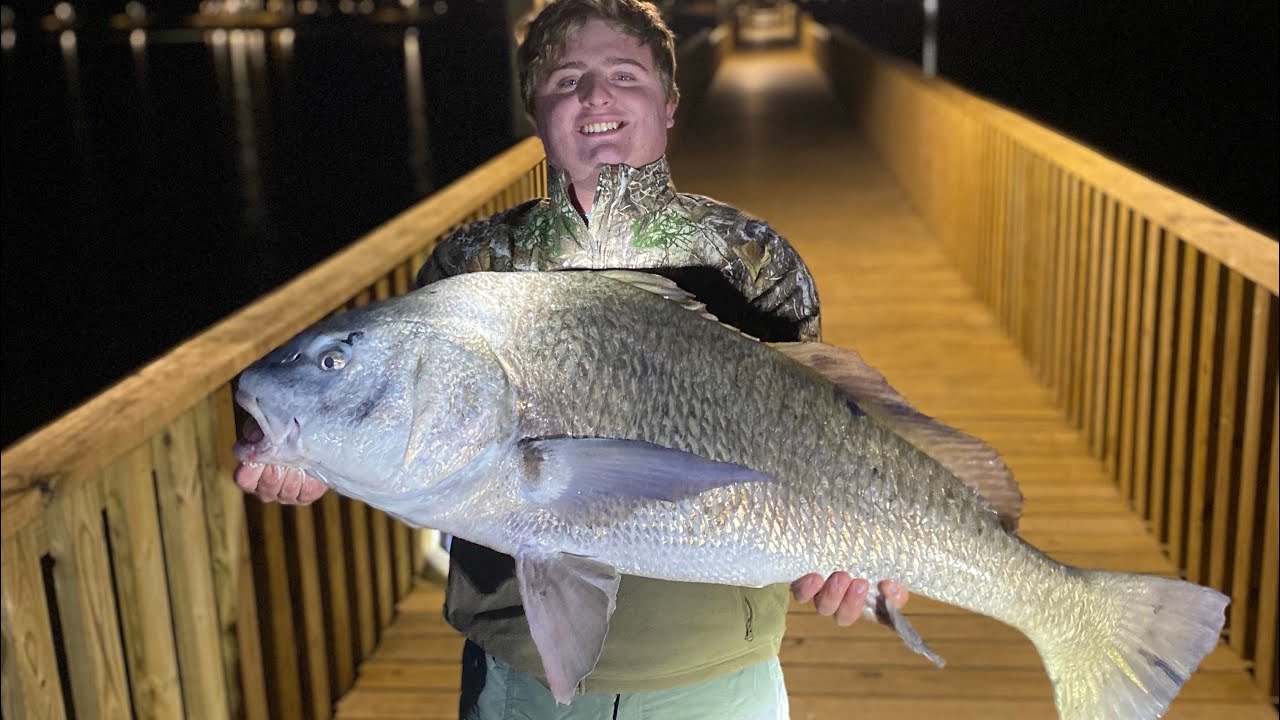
(272, 483)
(842, 596)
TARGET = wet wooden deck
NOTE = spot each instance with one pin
(773, 140)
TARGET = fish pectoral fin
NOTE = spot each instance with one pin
(566, 473)
(568, 600)
(879, 609)
(973, 461)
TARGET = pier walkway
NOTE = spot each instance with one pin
(772, 138)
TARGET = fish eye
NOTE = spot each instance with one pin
(333, 359)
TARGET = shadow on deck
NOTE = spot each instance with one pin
(772, 139)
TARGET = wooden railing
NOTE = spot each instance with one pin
(137, 580)
(1151, 317)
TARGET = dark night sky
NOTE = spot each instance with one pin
(1185, 92)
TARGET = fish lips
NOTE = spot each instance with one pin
(265, 439)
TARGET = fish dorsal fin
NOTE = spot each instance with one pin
(661, 286)
(976, 463)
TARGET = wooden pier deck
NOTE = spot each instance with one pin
(772, 139)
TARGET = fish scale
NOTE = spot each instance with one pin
(589, 428)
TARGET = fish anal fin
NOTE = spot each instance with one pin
(879, 609)
(973, 461)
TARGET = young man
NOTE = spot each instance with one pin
(597, 76)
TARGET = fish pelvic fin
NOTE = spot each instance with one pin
(568, 600)
(1145, 637)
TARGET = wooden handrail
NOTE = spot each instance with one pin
(1236, 246)
(60, 456)
(1151, 317)
(137, 579)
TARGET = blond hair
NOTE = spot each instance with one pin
(548, 33)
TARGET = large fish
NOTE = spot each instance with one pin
(594, 424)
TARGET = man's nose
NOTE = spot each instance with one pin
(594, 91)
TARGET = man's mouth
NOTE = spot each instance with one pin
(600, 127)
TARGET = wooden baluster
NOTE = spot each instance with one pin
(1063, 288)
(1164, 387)
(176, 456)
(1179, 445)
(381, 533)
(31, 685)
(142, 595)
(86, 605)
(1204, 419)
(1134, 283)
(1146, 379)
(357, 546)
(1123, 310)
(1264, 661)
(337, 590)
(1097, 318)
(314, 633)
(268, 539)
(1222, 480)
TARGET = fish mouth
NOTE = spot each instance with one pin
(262, 439)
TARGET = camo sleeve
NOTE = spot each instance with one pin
(482, 245)
(781, 283)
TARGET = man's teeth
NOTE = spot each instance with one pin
(600, 127)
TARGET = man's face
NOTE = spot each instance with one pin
(602, 103)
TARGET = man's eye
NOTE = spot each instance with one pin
(626, 77)
(567, 82)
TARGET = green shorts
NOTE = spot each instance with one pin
(492, 690)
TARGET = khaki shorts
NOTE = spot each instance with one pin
(492, 690)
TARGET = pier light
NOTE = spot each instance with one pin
(365, 7)
(409, 4)
(138, 39)
(136, 11)
(8, 38)
(218, 37)
(440, 7)
(67, 40)
(64, 12)
(346, 7)
(308, 7)
(285, 38)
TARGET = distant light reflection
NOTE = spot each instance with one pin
(418, 153)
(231, 60)
(8, 38)
(64, 12)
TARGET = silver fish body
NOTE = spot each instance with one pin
(589, 427)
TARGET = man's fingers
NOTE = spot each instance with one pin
(895, 594)
(806, 587)
(855, 598)
(832, 593)
(312, 490)
(247, 476)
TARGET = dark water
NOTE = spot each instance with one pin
(1184, 92)
(150, 191)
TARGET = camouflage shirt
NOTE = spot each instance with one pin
(663, 634)
(748, 275)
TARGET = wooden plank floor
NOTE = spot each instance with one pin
(772, 140)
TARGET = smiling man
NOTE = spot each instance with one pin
(598, 78)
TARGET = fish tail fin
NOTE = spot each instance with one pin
(1134, 644)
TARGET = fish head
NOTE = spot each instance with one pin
(377, 406)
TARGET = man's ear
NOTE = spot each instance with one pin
(671, 112)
